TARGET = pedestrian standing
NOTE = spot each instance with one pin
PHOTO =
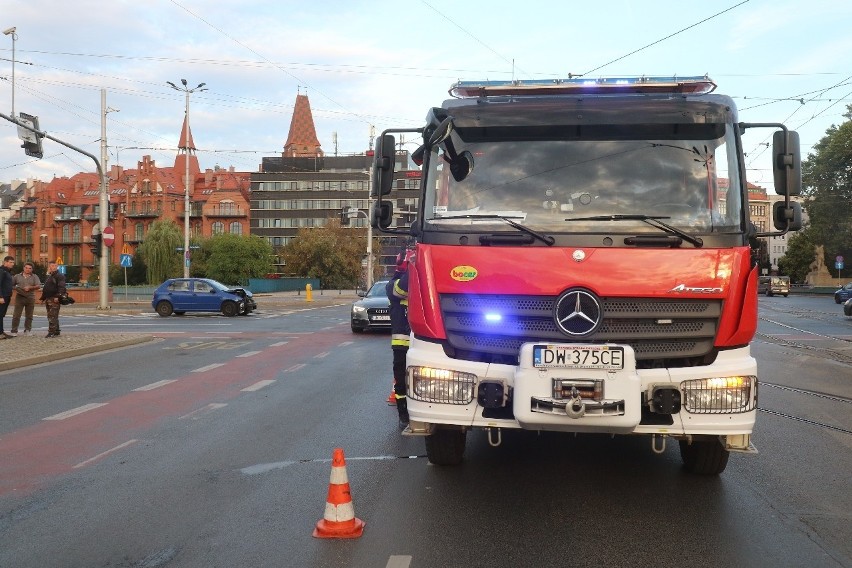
(26, 284)
(397, 291)
(6, 287)
(54, 287)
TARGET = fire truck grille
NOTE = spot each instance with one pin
(492, 328)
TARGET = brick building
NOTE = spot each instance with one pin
(57, 219)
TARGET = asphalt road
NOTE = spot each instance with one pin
(211, 446)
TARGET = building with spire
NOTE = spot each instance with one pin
(305, 188)
(57, 219)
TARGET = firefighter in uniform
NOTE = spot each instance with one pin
(397, 290)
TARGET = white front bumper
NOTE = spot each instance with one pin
(529, 385)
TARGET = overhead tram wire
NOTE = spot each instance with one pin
(238, 42)
(764, 144)
(663, 39)
(476, 39)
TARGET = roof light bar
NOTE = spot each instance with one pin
(698, 85)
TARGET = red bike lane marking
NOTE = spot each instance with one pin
(32, 456)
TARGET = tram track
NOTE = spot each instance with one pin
(822, 395)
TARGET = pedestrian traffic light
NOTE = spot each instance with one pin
(96, 245)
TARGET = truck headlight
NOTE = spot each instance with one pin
(441, 385)
(720, 395)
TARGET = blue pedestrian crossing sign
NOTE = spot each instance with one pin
(126, 261)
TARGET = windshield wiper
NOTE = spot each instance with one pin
(650, 220)
(546, 239)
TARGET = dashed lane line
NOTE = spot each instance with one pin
(75, 411)
(106, 453)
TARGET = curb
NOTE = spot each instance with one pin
(72, 349)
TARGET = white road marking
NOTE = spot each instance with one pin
(258, 385)
(248, 353)
(279, 344)
(203, 410)
(156, 385)
(294, 368)
(75, 411)
(322, 355)
(398, 561)
(106, 453)
(207, 368)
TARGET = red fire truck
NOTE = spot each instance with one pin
(584, 263)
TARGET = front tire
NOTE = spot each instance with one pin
(446, 446)
(704, 457)
(165, 309)
(230, 309)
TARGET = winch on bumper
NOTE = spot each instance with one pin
(577, 388)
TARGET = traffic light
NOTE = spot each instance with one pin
(96, 245)
(344, 217)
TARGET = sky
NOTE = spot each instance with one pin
(369, 65)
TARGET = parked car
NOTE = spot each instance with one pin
(843, 294)
(847, 307)
(372, 311)
(180, 295)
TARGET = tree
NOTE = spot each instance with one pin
(159, 251)
(233, 259)
(827, 181)
(332, 254)
(797, 260)
(136, 274)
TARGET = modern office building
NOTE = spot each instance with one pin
(305, 188)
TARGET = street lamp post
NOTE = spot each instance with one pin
(186, 90)
(11, 32)
(369, 229)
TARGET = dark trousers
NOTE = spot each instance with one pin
(3, 307)
(399, 354)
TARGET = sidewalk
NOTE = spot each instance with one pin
(23, 351)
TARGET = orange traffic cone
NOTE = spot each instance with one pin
(392, 395)
(339, 520)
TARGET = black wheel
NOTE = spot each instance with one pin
(837, 300)
(704, 457)
(164, 308)
(445, 446)
(230, 309)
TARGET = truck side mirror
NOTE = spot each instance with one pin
(782, 215)
(382, 214)
(383, 167)
(786, 163)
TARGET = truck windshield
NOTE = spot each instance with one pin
(543, 183)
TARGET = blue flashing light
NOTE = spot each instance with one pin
(493, 318)
(577, 85)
